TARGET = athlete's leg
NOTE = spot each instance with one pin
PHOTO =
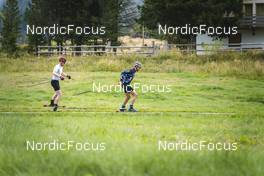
(54, 96)
(56, 86)
(134, 98)
(56, 101)
(123, 107)
(126, 98)
(57, 96)
(52, 99)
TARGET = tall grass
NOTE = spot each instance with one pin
(246, 64)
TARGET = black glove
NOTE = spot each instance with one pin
(68, 76)
(62, 78)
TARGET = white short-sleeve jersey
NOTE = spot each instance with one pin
(58, 69)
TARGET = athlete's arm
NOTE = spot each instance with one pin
(66, 75)
(120, 83)
(121, 80)
(56, 74)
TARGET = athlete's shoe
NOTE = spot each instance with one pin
(122, 109)
(51, 103)
(55, 108)
(132, 110)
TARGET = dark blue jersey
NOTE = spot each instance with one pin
(127, 76)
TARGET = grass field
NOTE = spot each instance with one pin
(202, 106)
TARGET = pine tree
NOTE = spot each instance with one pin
(194, 12)
(34, 17)
(1, 18)
(11, 30)
(79, 13)
(110, 20)
(1, 15)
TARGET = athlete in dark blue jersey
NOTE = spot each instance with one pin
(126, 78)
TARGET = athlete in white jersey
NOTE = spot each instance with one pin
(57, 75)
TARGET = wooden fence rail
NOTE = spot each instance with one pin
(95, 49)
(83, 50)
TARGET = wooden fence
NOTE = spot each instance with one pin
(212, 47)
(83, 50)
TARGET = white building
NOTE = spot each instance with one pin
(251, 30)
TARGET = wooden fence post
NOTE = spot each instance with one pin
(166, 47)
(153, 46)
(37, 51)
(108, 45)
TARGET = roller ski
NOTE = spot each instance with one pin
(122, 109)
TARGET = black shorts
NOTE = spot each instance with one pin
(55, 84)
(128, 88)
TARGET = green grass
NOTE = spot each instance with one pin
(202, 106)
(131, 144)
(189, 92)
(242, 65)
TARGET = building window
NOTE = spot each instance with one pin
(248, 9)
(260, 9)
